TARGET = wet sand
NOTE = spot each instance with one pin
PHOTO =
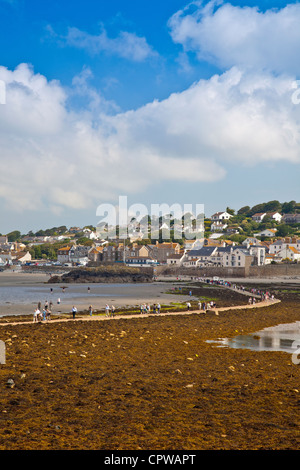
(125, 295)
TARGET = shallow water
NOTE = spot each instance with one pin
(283, 337)
(30, 295)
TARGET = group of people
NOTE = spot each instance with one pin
(42, 314)
(110, 311)
(146, 309)
(206, 305)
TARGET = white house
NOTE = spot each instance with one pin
(289, 252)
(251, 241)
(258, 253)
(275, 215)
(282, 244)
(268, 232)
(219, 216)
(175, 259)
(237, 257)
(259, 216)
(23, 257)
(218, 226)
(5, 258)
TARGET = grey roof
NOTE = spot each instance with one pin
(204, 251)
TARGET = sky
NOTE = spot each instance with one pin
(162, 102)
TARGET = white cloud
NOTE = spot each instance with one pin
(228, 35)
(52, 157)
(126, 45)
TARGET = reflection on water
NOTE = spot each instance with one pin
(284, 337)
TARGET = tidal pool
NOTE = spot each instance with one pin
(283, 337)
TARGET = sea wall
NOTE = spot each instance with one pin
(267, 271)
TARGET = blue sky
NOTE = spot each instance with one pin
(165, 102)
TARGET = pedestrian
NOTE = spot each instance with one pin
(89, 289)
(91, 310)
(50, 305)
(74, 311)
(106, 310)
(158, 308)
(48, 314)
(154, 308)
(58, 300)
(148, 308)
(199, 305)
(204, 307)
(113, 310)
(36, 315)
(39, 306)
(188, 305)
(44, 314)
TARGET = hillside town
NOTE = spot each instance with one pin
(247, 238)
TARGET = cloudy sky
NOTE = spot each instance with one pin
(164, 102)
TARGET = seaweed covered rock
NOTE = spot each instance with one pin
(101, 274)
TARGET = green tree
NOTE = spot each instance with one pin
(13, 236)
(244, 210)
(230, 211)
(283, 230)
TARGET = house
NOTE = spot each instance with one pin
(281, 244)
(259, 216)
(251, 241)
(78, 254)
(218, 226)
(22, 257)
(201, 256)
(237, 257)
(75, 230)
(137, 251)
(5, 258)
(268, 232)
(175, 259)
(258, 252)
(110, 254)
(160, 251)
(219, 216)
(140, 261)
(63, 254)
(275, 216)
(271, 258)
(289, 252)
(291, 218)
(95, 254)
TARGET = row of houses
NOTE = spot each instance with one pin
(220, 221)
(118, 252)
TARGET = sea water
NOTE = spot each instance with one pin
(284, 337)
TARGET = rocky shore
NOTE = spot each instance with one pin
(104, 274)
(150, 383)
